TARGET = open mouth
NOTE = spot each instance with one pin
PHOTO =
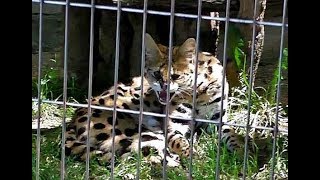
(163, 96)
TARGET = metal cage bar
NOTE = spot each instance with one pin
(252, 54)
(39, 91)
(274, 147)
(223, 88)
(144, 24)
(87, 173)
(157, 115)
(164, 169)
(65, 85)
(194, 94)
(116, 72)
(163, 13)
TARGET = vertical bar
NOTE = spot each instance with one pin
(164, 169)
(39, 90)
(144, 22)
(116, 67)
(194, 98)
(245, 163)
(90, 87)
(226, 28)
(274, 147)
(65, 85)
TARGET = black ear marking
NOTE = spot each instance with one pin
(157, 75)
(175, 76)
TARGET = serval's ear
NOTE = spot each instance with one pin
(187, 48)
(152, 51)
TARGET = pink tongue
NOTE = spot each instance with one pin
(163, 95)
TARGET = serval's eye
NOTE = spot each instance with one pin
(157, 75)
(175, 76)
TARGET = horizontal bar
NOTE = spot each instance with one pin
(163, 13)
(157, 115)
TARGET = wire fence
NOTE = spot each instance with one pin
(145, 12)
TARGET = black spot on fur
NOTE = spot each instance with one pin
(127, 115)
(77, 144)
(101, 101)
(156, 103)
(205, 75)
(112, 97)
(67, 151)
(178, 145)
(188, 133)
(201, 63)
(136, 95)
(209, 61)
(120, 115)
(95, 115)
(181, 110)
(82, 119)
(146, 151)
(99, 126)
(70, 127)
(228, 138)
(157, 75)
(173, 103)
(97, 111)
(83, 138)
(110, 119)
(125, 143)
(223, 112)
(120, 93)
(175, 76)
(80, 113)
(70, 139)
(171, 136)
(173, 143)
(147, 138)
(187, 105)
(217, 115)
(197, 111)
(135, 101)
(102, 136)
(210, 69)
(117, 132)
(226, 131)
(137, 128)
(147, 103)
(137, 88)
(180, 121)
(217, 100)
(81, 130)
(125, 106)
(120, 88)
(129, 132)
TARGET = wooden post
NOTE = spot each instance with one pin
(246, 11)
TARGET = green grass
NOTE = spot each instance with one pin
(52, 85)
(204, 164)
